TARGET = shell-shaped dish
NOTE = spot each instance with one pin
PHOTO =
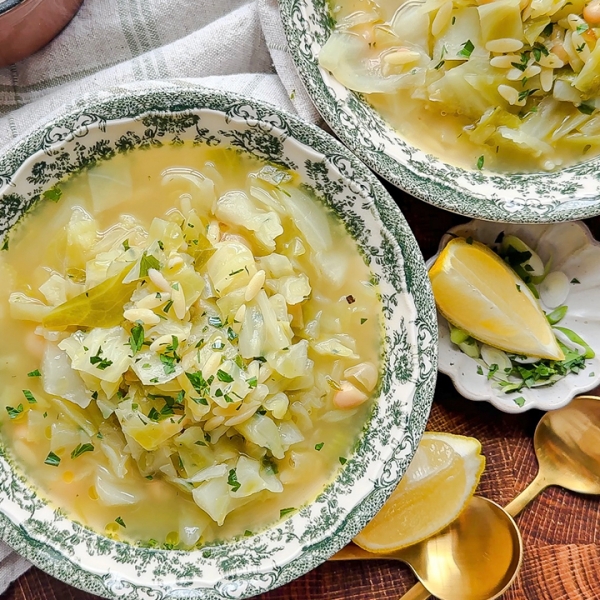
(573, 251)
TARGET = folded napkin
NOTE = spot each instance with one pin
(111, 42)
(116, 42)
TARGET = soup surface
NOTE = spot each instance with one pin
(194, 344)
(506, 85)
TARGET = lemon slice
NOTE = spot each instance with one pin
(479, 293)
(436, 487)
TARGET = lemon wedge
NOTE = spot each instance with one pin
(478, 292)
(436, 487)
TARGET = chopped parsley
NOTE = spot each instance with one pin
(148, 262)
(574, 280)
(120, 521)
(232, 480)
(467, 49)
(167, 306)
(100, 363)
(136, 339)
(342, 460)
(586, 109)
(168, 363)
(252, 382)
(29, 397)
(319, 446)
(520, 401)
(52, 459)
(198, 382)
(224, 376)
(538, 51)
(126, 245)
(81, 449)
(35, 373)
(13, 413)
(286, 511)
(480, 162)
(526, 93)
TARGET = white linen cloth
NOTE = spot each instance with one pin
(111, 42)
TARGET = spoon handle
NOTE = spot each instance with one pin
(416, 592)
(539, 484)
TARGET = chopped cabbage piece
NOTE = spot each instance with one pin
(237, 209)
(59, 378)
(103, 353)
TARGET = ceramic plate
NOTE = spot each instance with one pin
(563, 195)
(139, 116)
(572, 250)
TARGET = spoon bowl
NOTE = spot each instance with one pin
(476, 557)
(567, 446)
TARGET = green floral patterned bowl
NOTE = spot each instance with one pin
(567, 194)
(113, 122)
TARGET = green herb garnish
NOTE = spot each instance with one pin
(81, 449)
(224, 376)
(100, 363)
(467, 49)
(52, 459)
(148, 262)
(13, 413)
(136, 339)
(232, 480)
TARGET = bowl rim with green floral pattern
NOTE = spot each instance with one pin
(541, 197)
(135, 116)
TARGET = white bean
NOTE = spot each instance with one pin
(591, 13)
(349, 396)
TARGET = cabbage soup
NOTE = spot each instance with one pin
(192, 345)
(505, 85)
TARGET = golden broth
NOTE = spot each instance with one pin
(49, 437)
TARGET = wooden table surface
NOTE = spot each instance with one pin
(560, 530)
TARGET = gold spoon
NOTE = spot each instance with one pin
(476, 557)
(567, 446)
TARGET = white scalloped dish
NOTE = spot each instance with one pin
(571, 249)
